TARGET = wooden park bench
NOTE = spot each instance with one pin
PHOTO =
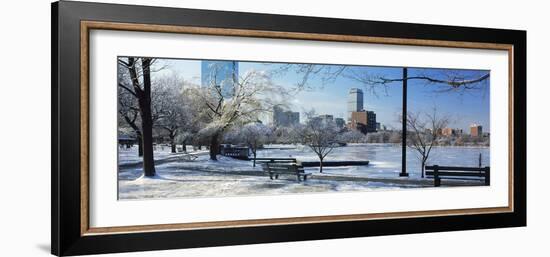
(277, 166)
(446, 172)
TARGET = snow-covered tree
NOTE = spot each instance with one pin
(139, 86)
(250, 97)
(129, 119)
(174, 112)
(283, 135)
(128, 104)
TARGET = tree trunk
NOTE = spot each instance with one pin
(320, 165)
(148, 155)
(423, 164)
(173, 143)
(183, 147)
(140, 144)
(214, 147)
(144, 100)
(254, 161)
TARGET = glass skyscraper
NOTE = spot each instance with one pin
(220, 73)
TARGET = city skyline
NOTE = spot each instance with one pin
(332, 98)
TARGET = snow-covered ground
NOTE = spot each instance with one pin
(385, 159)
(204, 178)
(178, 176)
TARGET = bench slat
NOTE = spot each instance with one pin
(269, 159)
(448, 168)
(293, 173)
(461, 178)
(457, 174)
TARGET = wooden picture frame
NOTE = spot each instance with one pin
(71, 25)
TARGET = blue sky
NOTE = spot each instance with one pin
(463, 108)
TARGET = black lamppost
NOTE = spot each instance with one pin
(404, 129)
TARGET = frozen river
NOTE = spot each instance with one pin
(385, 159)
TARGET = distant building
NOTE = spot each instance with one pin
(283, 118)
(378, 126)
(355, 101)
(314, 120)
(451, 132)
(363, 121)
(220, 73)
(448, 132)
(476, 130)
(438, 131)
(371, 121)
(326, 117)
(340, 123)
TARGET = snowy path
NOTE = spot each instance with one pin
(129, 157)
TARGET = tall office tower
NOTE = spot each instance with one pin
(220, 73)
(355, 101)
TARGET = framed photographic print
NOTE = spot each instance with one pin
(178, 128)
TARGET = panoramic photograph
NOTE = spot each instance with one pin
(220, 128)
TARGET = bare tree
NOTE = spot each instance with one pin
(320, 135)
(139, 70)
(254, 135)
(305, 72)
(442, 81)
(449, 80)
(424, 131)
